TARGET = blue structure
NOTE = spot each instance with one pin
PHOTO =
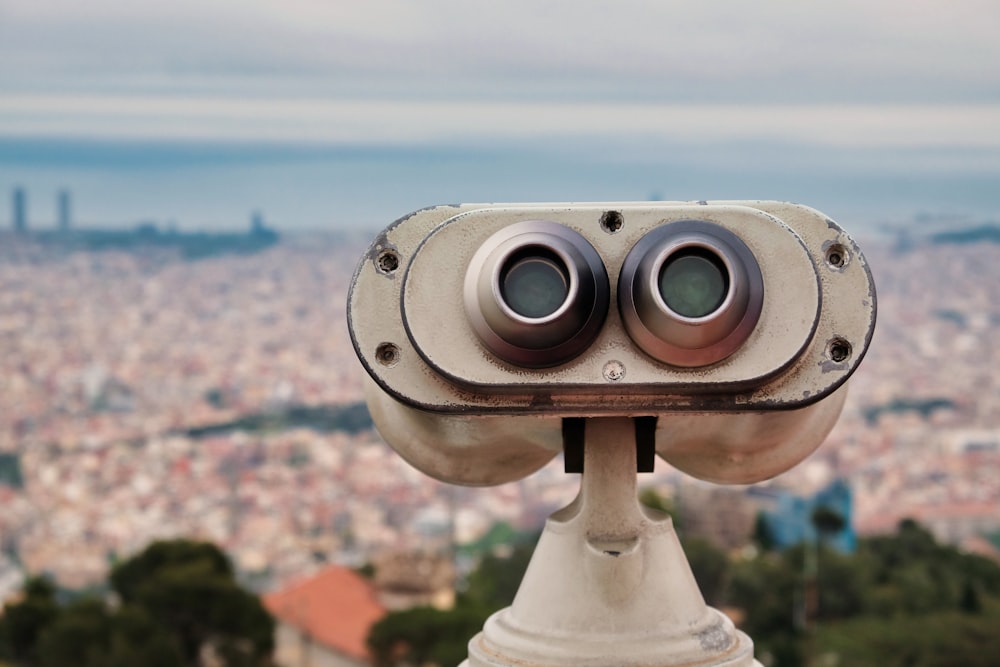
(19, 212)
(65, 212)
(789, 521)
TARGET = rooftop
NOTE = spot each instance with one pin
(336, 608)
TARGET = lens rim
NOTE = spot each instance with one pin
(674, 338)
(550, 340)
(525, 254)
(713, 258)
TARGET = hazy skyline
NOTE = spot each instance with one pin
(207, 107)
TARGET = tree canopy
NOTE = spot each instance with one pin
(178, 601)
(427, 636)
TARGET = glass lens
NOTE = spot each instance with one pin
(694, 282)
(534, 285)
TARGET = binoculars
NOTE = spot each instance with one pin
(486, 328)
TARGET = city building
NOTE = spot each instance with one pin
(257, 222)
(65, 210)
(791, 519)
(407, 579)
(19, 212)
(323, 621)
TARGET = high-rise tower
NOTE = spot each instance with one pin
(19, 213)
(65, 211)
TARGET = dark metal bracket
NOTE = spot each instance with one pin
(574, 429)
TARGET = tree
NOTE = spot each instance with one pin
(940, 639)
(88, 634)
(766, 589)
(494, 583)
(653, 499)
(23, 622)
(710, 567)
(189, 589)
(762, 534)
(426, 636)
(828, 522)
(179, 602)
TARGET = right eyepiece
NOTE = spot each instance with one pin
(690, 293)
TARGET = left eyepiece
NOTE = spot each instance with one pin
(534, 282)
(536, 293)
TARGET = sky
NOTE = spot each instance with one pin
(349, 114)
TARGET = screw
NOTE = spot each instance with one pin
(837, 256)
(387, 261)
(387, 354)
(614, 371)
(839, 350)
(612, 221)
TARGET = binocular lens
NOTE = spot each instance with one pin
(536, 293)
(534, 283)
(694, 282)
(690, 293)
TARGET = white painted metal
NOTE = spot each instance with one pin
(608, 584)
(459, 413)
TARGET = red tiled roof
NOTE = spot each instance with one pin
(336, 608)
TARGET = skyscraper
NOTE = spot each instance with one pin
(65, 212)
(19, 214)
(256, 222)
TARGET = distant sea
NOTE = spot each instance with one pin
(217, 186)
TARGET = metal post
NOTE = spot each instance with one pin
(608, 584)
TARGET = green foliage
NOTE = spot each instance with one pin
(940, 639)
(766, 588)
(925, 407)
(189, 589)
(10, 470)
(762, 536)
(827, 521)
(710, 567)
(216, 398)
(179, 600)
(88, 634)
(901, 600)
(22, 623)
(426, 636)
(651, 498)
(500, 533)
(351, 418)
(494, 583)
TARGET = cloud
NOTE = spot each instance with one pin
(638, 49)
(389, 122)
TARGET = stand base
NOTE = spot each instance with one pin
(609, 585)
(609, 605)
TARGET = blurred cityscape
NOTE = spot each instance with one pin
(146, 393)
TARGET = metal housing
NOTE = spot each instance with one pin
(460, 412)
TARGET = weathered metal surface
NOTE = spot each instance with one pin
(608, 584)
(459, 413)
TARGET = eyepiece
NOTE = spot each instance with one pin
(694, 282)
(534, 282)
(536, 293)
(690, 293)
